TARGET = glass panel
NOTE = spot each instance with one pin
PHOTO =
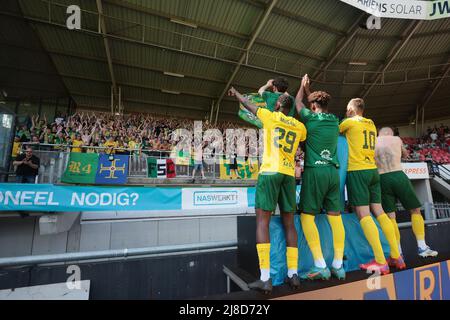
(6, 129)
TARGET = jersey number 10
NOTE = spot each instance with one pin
(369, 140)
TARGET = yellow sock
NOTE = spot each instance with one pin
(396, 229)
(313, 238)
(292, 258)
(389, 233)
(373, 237)
(337, 227)
(418, 226)
(263, 255)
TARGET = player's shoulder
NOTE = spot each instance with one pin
(360, 120)
(369, 121)
(269, 94)
(288, 120)
(347, 121)
(298, 124)
(264, 112)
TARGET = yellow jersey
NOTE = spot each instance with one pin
(15, 149)
(361, 135)
(76, 144)
(110, 145)
(132, 145)
(282, 135)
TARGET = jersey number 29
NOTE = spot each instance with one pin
(289, 138)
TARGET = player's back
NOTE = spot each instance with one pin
(323, 133)
(388, 154)
(361, 135)
(282, 135)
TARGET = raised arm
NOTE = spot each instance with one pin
(243, 100)
(94, 127)
(307, 85)
(265, 87)
(33, 123)
(300, 95)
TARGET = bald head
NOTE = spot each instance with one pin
(386, 131)
(355, 107)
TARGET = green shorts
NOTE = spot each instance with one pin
(363, 187)
(273, 189)
(320, 190)
(396, 185)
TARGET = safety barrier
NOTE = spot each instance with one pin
(442, 210)
(54, 159)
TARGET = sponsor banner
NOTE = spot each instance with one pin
(215, 198)
(51, 198)
(416, 171)
(431, 282)
(381, 288)
(404, 9)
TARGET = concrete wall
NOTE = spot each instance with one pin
(21, 236)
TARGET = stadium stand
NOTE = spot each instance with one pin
(134, 131)
(433, 146)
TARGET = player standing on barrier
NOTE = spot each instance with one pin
(276, 184)
(277, 87)
(320, 185)
(363, 185)
(396, 185)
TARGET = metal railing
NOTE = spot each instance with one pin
(54, 159)
(441, 171)
(442, 210)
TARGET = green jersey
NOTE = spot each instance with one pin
(271, 99)
(322, 139)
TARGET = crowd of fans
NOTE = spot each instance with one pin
(433, 146)
(102, 132)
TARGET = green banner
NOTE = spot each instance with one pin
(152, 171)
(249, 117)
(82, 168)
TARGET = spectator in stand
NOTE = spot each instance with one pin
(47, 136)
(27, 166)
(111, 144)
(433, 136)
(77, 144)
(24, 133)
(415, 156)
(91, 148)
(143, 132)
(198, 162)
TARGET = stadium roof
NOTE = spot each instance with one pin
(179, 56)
